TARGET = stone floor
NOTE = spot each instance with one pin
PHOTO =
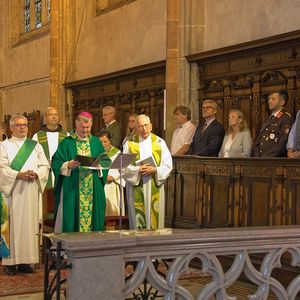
(240, 289)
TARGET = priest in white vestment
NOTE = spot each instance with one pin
(145, 177)
(24, 173)
(50, 137)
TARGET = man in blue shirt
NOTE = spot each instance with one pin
(293, 144)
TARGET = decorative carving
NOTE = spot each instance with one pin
(273, 76)
(292, 54)
(293, 172)
(256, 188)
(251, 72)
(219, 171)
(241, 82)
(219, 281)
(189, 168)
(134, 82)
(258, 60)
(257, 171)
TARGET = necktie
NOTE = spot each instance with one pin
(204, 127)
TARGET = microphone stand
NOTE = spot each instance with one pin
(121, 191)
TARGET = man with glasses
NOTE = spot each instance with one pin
(111, 125)
(24, 171)
(209, 136)
(145, 177)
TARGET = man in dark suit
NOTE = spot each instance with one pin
(111, 125)
(273, 135)
(208, 137)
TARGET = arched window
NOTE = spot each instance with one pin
(36, 14)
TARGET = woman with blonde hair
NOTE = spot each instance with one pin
(130, 132)
(237, 142)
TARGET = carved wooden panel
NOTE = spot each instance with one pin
(185, 182)
(219, 196)
(214, 192)
(257, 183)
(292, 194)
(134, 91)
(242, 76)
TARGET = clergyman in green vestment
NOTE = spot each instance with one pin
(79, 190)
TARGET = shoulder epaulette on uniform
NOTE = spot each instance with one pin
(288, 114)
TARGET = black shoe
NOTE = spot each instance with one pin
(25, 268)
(10, 270)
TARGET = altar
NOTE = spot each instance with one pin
(96, 261)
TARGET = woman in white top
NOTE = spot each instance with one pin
(112, 186)
(237, 141)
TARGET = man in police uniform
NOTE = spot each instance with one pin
(272, 138)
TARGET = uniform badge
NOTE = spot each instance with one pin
(272, 136)
(287, 129)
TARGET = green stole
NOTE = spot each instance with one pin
(139, 202)
(86, 188)
(42, 139)
(113, 151)
(17, 164)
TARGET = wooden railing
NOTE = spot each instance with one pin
(215, 192)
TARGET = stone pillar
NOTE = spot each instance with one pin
(62, 28)
(185, 35)
(172, 64)
(54, 52)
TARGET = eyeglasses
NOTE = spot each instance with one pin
(107, 114)
(207, 107)
(21, 125)
(143, 126)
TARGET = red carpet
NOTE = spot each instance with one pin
(21, 283)
(34, 283)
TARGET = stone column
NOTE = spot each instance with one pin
(62, 28)
(185, 36)
(54, 53)
(172, 64)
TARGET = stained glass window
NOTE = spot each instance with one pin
(38, 13)
(26, 15)
(49, 8)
